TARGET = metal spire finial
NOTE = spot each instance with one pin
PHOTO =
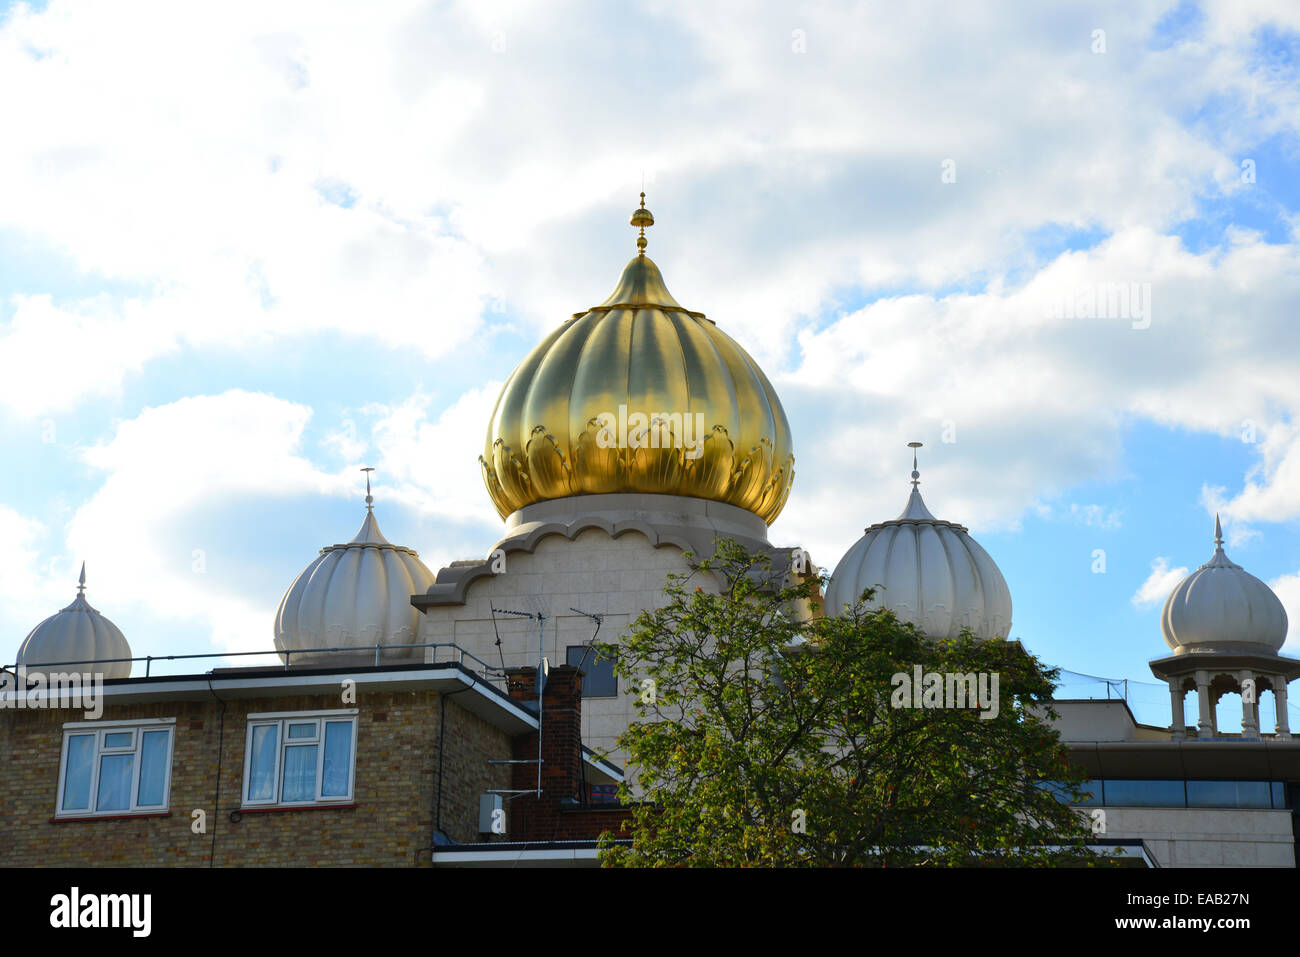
(81, 582)
(916, 475)
(369, 498)
(1218, 531)
(642, 218)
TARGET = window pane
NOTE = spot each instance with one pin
(598, 678)
(115, 782)
(118, 739)
(303, 730)
(1228, 794)
(299, 773)
(1092, 790)
(338, 759)
(1279, 794)
(76, 781)
(261, 767)
(1145, 793)
(153, 768)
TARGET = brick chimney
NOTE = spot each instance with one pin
(562, 813)
(532, 818)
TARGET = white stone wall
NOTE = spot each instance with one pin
(1207, 837)
(615, 577)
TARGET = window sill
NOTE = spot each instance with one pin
(261, 809)
(130, 816)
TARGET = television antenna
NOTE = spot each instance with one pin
(539, 685)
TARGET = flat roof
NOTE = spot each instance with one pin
(486, 700)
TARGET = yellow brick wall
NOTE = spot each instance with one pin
(395, 791)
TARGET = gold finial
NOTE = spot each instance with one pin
(916, 475)
(642, 218)
(81, 586)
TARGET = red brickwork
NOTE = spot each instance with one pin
(562, 813)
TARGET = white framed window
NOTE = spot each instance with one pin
(300, 759)
(110, 768)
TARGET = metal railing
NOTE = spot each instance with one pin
(479, 666)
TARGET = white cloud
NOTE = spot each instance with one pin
(1095, 516)
(168, 534)
(1287, 588)
(1038, 404)
(1159, 584)
(1271, 491)
(203, 191)
(261, 174)
(18, 558)
(206, 155)
(434, 464)
(31, 588)
(162, 467)
(51, 358)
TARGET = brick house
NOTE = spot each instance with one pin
(389, 765)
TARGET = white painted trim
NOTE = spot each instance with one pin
(132, 722)
(189, 686)
(513, 856)
(97, 730)
(281, 720)
(615, 776)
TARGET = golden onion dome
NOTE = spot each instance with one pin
(639, 394)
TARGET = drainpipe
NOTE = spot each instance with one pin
(216, 799)
(442, 736)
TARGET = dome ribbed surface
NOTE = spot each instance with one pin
(77, 633)
(1221, 606)
(927, 572)
(642, 352)
(351, 596)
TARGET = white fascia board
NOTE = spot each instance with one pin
(602, 769)
(478, 699)
(548, 857)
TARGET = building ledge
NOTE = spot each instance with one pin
(293, 807)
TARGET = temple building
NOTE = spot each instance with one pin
(637, 431)
(1198, 796)
(465, 711)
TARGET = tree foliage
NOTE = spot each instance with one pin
(767, 737)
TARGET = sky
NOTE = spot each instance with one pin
(247, 249)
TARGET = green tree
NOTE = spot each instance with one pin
(768, 736)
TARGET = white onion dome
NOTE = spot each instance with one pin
(926, 571)
(1222, 607)
(75, 636)
(354, 595)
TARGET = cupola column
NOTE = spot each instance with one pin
(1226, 628)
(1205, 710)
(1249, 704)
(1179, 726)
(1283, 728)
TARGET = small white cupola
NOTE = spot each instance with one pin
(926, 571)
(353, 595)
(73, 637)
